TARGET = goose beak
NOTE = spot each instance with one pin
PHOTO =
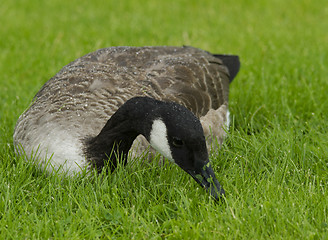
(206, 178)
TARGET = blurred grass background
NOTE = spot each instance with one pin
(273, 165)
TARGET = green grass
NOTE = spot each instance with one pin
(273, 165)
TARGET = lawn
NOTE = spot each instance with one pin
(273, 164)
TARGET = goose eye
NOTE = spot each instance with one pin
(177, 142)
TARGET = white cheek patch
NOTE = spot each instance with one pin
(158, 139)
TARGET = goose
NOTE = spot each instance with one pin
(98, 107)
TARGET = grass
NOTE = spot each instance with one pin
(273, 164)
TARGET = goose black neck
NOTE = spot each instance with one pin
(114, 141)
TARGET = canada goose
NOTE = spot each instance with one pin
(96, 106)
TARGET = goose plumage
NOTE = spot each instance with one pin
(96, 107)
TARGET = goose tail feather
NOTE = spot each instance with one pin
(232, 62)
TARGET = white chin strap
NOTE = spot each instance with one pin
(158, 139)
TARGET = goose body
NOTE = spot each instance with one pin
(105, 101)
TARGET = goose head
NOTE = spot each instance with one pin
(170, 128)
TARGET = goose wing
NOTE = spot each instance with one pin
(189, 76)
(86, 92)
